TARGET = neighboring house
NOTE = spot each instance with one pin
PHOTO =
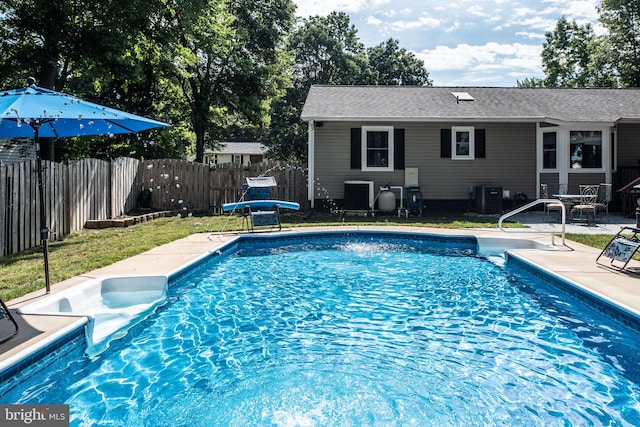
(16, 150)
(242, 153)
(464, 137)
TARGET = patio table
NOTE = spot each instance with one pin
(569, 201)
(569, 197)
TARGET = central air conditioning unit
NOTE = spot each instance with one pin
(489, 199)
(358, 196)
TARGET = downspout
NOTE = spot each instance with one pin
(539, 157)
(311, 159)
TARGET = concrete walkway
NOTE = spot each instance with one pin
(574, 262)
(606, 225)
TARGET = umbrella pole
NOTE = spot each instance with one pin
(44, 230)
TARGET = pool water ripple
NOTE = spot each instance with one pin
(359, 334)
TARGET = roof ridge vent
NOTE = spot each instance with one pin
(462, 96)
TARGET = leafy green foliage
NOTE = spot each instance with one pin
(531, 82)
(622, 19)
(215, 69)
(106, 52)
(229, 65)
(570, 56)
(328, 51)
(574, 56)
(393, 65)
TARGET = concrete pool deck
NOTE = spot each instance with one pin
(574, 262)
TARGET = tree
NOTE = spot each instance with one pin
(229, 62)
(531, 82)
(573, 56)
(602, 71)
(393, 65)
(568, 57)
(94, 50)
(328, 51)
(622, 19)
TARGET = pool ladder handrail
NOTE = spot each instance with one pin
(529, 206)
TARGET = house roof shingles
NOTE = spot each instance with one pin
(424, 103)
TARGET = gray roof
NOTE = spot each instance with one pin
(423, 103)
(238, 148)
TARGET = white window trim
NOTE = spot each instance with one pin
(390, 162)
(472, 142)
(558, 150)
(605, 148)
(563, 144)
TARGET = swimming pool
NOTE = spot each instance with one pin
(354, 329)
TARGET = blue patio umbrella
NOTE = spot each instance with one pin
(34, 112)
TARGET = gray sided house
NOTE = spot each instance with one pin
(241, 153)
(464, 139)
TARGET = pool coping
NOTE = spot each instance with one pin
(574, 263)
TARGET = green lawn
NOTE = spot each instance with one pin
(91, 249)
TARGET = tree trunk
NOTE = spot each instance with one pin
(47, 79)
(199, 144)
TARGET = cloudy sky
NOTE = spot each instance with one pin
(462, 42)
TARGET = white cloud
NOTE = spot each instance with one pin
(422, 22)
(453, 27)
(467, 64)
(307, 8)
(488, 42)
(530, 35)
(477, 10)
(519, 12)
(578, 9)
(372, 20)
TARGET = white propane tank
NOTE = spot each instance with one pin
(387, 201)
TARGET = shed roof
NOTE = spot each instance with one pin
(14, 150)
(425, 103)
(238, 148)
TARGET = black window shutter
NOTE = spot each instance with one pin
(445, 143)
(356, 148)
(398, 149)
(480, 152)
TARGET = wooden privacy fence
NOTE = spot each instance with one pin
(92, 189)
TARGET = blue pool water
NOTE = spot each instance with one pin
(375, 330)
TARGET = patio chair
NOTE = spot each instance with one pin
(555, 207)
(604, 197)
(8, 324)
(585, 210)
(256, 206)
(261, 216)
(621, 248)
(561, 189)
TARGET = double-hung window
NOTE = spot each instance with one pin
(377, 148)
(462, 143)
(549, 150)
